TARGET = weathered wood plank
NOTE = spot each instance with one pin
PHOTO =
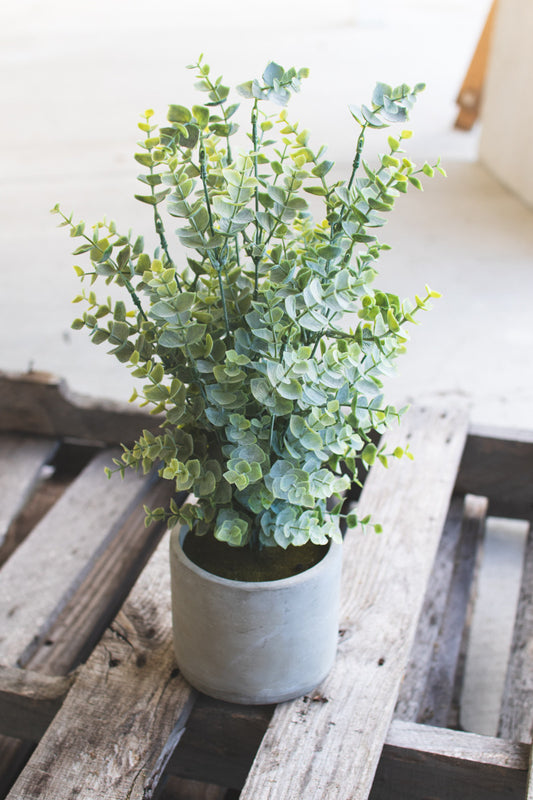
(29, 701)
(220, 742)
(420, 762)
(129, 702)
(99, 597)
(498, 464)
(39, 403)
(516, 711)
(58, 553)
(21, 463)
(436, 698)
(88, 612)
(179, 789)
(410, 698)
(338, 733)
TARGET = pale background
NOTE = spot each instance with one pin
(75, 77)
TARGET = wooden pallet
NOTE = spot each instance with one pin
(92, 705)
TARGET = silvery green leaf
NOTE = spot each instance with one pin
(273, 72)
(372, 119)
(222, 206)
(163, 310)
(381, 90)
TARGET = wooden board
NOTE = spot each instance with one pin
(21, 463)
(29, 701)
(425, 763)
(498, 464)
(104, 588)
(54, 558)
(36, 402)
(339, 731)
(126, 711)
(409, 706)
(471, 92)
(436, 692)
(516, 712)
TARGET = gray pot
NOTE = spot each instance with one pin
(254, 643)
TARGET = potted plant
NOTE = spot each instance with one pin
(263, 346)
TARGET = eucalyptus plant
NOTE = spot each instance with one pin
(263, 344)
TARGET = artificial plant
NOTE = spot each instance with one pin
(263, 343)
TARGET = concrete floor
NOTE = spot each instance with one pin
(75, 78)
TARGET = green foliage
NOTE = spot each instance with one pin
(269, 399)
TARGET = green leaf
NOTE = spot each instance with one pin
(272, 73)
(201, 115)
(323, 168)
(178, 114)
(146, 198)
(145, 159)
(415, 182)
(319, 191)
(369, 454)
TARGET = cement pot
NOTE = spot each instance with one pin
(254, 643)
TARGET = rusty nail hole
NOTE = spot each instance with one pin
(381, 661)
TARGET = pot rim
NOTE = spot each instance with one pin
(334, 551)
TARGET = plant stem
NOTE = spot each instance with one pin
(357, 157)
(160, 230)
(256, 259)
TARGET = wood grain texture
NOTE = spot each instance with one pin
(104, 588)
(180, 789)
(86, 614)
(339, 731)
(54, 558)
(21, 462)
(29, 701)
(441, 679)
(418, 762)
(498, 464)
(118, 725)
(220, 742)
(424, 763)
(39, 403)
(413, 686)
(516, 711)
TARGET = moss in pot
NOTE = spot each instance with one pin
(263, 344)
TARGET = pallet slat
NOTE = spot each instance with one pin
(409, 706)
(516, 712)
(98, 598)
(421, 762)
(56, 555)
(440, 684)
(39, 403)
(385, 580)
(21, 462)
(499, 465)
(132, 699)
(29, 701)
